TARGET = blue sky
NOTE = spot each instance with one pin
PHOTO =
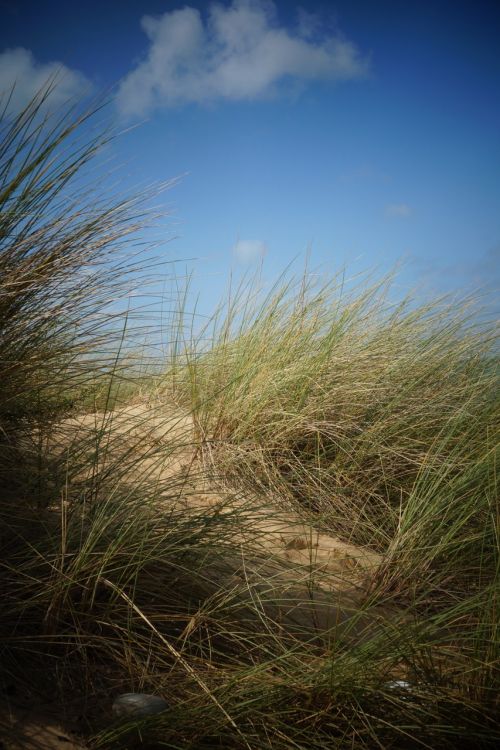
(366, 131)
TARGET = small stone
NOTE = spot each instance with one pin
(138, 706)
(399, 684)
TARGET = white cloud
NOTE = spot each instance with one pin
(239, 52)
(249, 251)
(19, 68)
(398, 209)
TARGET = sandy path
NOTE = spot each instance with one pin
(307, 580)
(309, 584)
(169, 452)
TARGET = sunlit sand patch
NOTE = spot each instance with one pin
(159, 445)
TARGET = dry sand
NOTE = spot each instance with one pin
(309, 583)
(169, 452)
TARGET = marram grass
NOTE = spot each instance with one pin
(377, 422)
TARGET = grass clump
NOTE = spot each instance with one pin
(130, 550)
(379, 423)
(67, 266)
(347, 405)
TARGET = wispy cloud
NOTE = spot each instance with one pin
(19, 69)
(239, 52)
(364, 173)
(398, 209)
(249, 251)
